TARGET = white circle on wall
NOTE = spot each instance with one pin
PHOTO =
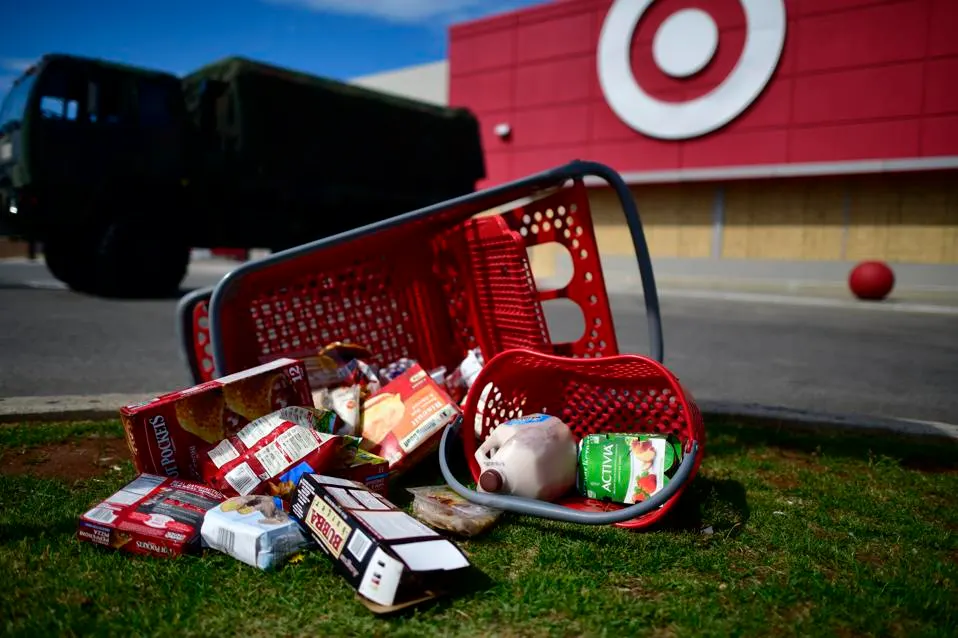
(685, 43)
(764, 41)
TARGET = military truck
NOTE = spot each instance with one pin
(120, 171)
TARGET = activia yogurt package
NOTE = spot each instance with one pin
(626, 468)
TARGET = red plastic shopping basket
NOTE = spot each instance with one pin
(429, 285)
(625, 393)
(433, 284)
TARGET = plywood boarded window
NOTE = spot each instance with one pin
(908, 218)
(784, 219)
(676, 220)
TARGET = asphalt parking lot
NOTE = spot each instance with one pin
(894, 364)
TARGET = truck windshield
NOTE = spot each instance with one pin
(15, 103)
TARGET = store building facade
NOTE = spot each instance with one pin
(788, 130)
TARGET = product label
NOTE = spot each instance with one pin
(223, 453)
(242, 478)
(329, 526)
(255, 431)
(625, 468)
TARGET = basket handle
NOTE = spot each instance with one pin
(543, 509)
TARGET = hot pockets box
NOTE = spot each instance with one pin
(169, 435)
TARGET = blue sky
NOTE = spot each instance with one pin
(334, 38)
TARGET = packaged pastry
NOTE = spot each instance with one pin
(254, 530)
(439, 507)
(170, 434)
(404, 421)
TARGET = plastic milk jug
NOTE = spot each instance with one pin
(533, 456)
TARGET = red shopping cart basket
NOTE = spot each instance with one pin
(429, 285)
(193, 328)
(625, 393)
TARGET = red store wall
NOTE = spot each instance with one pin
(857, 80)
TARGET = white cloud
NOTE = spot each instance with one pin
(411, 11)
(16, 64)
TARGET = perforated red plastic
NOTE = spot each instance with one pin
(625, 393)
(497, 304)
(202, 348)
(429, 290)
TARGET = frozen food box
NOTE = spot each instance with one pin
(169, 435)
(254, 530)
(404, 421)
(152, 515)
(390, 559)
(368, 469)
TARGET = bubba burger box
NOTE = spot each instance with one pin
(170, 434)
(389, 557)
(152, 515)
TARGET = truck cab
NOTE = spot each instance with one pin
(119, 171)
(92, 157)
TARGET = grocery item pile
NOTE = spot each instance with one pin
(299, 454)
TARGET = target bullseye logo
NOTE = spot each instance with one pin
(684, 45)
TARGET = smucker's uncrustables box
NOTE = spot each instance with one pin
(391, 559)
(626, 468)
(151, 515)
(404, 421)
(169, 435)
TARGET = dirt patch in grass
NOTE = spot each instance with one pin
(635, 588)
(782, 482)
(67, 460)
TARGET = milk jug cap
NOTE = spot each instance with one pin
(491, 481)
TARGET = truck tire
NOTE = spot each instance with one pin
(71, 258)
(131, 263)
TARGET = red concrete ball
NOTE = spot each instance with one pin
(871, 280)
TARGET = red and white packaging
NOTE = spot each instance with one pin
(270, 454)
(152, 515)
(404, 421)
(169, 435)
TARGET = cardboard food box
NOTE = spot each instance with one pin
(404, 421)
(368, 469)
(169, 435)
(152, 515)
(391, 559)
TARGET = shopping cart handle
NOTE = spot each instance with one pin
(543, 509)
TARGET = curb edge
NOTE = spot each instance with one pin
(807, 420)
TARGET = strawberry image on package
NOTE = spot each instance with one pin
(169, 435)
(270, 454)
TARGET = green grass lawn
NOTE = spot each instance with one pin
(811, 534)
